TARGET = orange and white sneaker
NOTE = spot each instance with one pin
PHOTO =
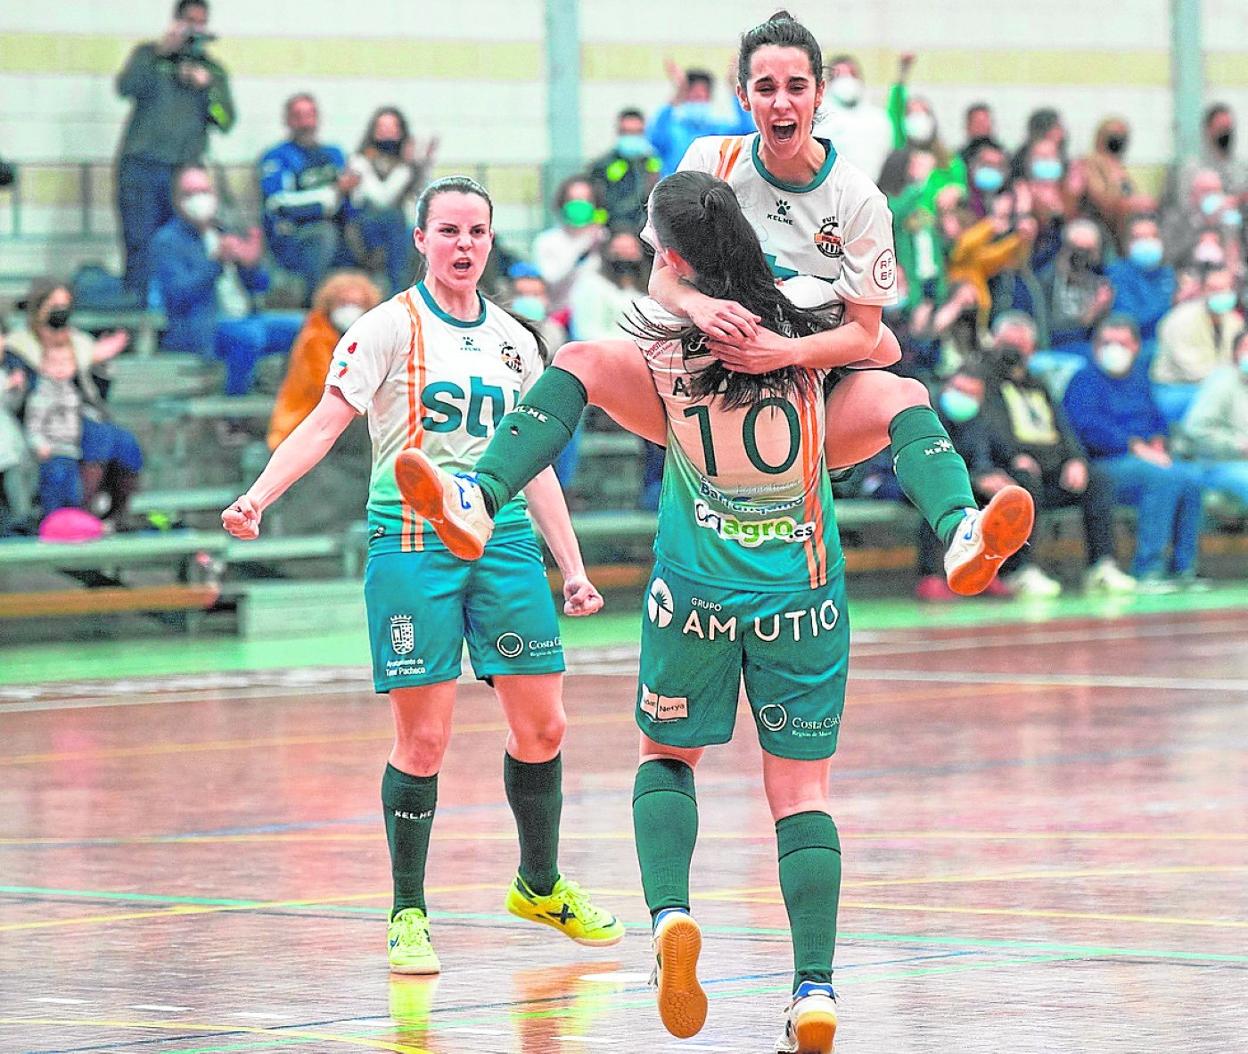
(453, 504)
(810, 1021)
(677, 944)
(986, 538)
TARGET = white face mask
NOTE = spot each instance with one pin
(344, 316)
(920, 126)
(200, 208)
(846, 90)
(1115, 359)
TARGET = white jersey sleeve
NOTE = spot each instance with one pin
(365, 355)
(868, 264)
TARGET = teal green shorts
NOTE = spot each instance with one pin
(423, 606)
(699, 640)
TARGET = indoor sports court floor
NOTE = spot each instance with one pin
(1045, 830)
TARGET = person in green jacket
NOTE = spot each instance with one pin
(915, 132)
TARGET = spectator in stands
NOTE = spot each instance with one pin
(1110, 406)
(207, 277)
(530, 299)
(984, 250)
(16, 488)
(1102, 185)
(1215, 430)
(1193, 340)
(111, 457)
(859, 130)
(1035, 446)
(980, 131)
(8, 174)
(1078, 294)
(306, 189)
(342, 299)
(986, 174)
(1043, 126)
(690, 115)
(1044, 175)
(560, 251)
(1144, 286)
(918, 156)
(179, 92)
(625, 174)
(1217, 153)
(54, 430)
(392, 168)
(1206, 226)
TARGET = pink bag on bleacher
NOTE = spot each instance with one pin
(70, 527)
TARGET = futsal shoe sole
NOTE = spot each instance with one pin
(998, 531)
(815, 1027)
(682, 1003)
(450, 505)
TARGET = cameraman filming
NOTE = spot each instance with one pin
(179, 91)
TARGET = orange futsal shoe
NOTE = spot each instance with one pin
(986, 538)
(453, 505)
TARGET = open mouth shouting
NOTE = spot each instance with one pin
(462, 266)
(784, 132)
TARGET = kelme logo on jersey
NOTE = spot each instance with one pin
(751, 533)
(402, 635)
(781, 215)
(659, 604)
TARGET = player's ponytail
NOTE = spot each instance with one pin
(699, 217)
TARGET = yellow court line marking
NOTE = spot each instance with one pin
(180, 910)
(251, 1030)
(153, 749)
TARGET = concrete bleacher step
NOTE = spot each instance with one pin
(291, 609)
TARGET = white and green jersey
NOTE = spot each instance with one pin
(746, 500)
(837, 227)
(428, 380)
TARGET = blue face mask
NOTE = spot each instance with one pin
(1243, 366)
(693, 112)
(1221, 303)
(989, 180)
(1046, 169)
(529, 307)
(958, 406)
(632, 146)
(1210, 203)
(1146, 252)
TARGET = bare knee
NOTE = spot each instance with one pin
(419, 752)
(577, 358)
(540, 739)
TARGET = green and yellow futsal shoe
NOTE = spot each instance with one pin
(567, 909)
(411, 951)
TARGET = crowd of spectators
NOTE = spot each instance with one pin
(1079, 336)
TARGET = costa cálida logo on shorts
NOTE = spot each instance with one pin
(402, 635)
(659, 604)
(509, 645)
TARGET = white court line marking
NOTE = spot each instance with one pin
(585, 1039)
(263, 1015)
(473, 1031)
(1060, 680)
(62, 1002)
(159, 1007)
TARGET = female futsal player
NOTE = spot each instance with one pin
(749, 582)
(437, 367)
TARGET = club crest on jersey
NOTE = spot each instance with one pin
(511, 357)
(781, 215)
(827, 241)
(402, 635)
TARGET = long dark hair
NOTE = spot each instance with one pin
(467, 185)
(699, 217)
(383, 111)
(784, 31)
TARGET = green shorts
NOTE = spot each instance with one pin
(423, 606)
(698, 640)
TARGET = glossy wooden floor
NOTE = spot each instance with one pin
(1045, 831)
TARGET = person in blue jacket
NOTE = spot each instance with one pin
(1143, 285)
(1110, 405)
(306, 188)
(689, 115)
(205, 278)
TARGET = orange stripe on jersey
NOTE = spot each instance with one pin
(808, 547)
(413, 534)
(732, 160)
(812, 462)
(729, 151)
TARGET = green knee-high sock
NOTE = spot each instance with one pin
(535, 794)
(531, 437)
(932, 474)
(810, 880)
(409, 803)
(665, 828)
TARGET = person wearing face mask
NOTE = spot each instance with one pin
(561, 251)
(859, 129)
(986, 175)
(1144, 286)
(625, 174)
(392, 167)
(1044, 125)
(690, 115)
(980, 131)
(1218, 138)
(530, 300)
(1215, 431)
(1206, 227)
(1110, 405)
(1195, 339)
(1078, 293)
(1034, 446)
(1103, 187)
(206, 278)
(915, 132)
(342, 299)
